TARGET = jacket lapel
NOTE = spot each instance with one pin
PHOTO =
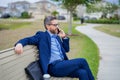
(59, 40)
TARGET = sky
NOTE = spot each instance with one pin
(5, 2)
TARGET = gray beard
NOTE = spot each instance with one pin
(53, 31)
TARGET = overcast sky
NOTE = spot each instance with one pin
(5, 2)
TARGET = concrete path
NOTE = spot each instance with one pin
(109, 46)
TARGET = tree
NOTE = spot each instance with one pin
(55, 13)
(71, 5)
(105, 8)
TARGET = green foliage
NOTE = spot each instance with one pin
(71, 5)
(25, 15)
(55, 13)
(104, 21)
(75, 17)
(101, 7)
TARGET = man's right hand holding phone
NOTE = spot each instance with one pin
(61, 33)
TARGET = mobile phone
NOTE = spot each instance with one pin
(58, 31)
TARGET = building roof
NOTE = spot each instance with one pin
(44, 1)
(20, 2)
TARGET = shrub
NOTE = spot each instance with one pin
(55, 13)
(76, 18)
(25, 15)
(104, 21)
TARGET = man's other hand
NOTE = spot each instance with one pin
(19, 48)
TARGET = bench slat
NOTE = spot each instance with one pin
(16, 58)
(13, 65)
(13, 69)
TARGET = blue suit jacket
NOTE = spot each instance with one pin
(43, 41)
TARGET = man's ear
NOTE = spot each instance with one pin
(47, 27)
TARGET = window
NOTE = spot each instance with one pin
(48, 5)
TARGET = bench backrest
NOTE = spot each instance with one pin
(12, 65)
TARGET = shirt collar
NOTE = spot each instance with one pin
(51, 34)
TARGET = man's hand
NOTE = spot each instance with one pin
(19, 48)
(62, 34)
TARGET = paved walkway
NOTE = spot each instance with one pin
(109, 46)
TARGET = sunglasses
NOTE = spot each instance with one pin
(54, 24)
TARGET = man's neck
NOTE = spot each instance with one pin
(51, 34)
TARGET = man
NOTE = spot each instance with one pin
(52, 45)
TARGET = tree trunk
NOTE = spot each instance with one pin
(70, 24)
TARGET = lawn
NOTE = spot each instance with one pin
(112, 29)
(81, 45)
(4, 25)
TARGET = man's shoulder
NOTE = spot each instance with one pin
(40, 33)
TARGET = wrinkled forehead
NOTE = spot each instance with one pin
(54, 22)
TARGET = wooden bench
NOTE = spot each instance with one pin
(12, 65)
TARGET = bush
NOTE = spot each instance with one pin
(104, 21)
(55, 13)
(25, 15)
(76, 18)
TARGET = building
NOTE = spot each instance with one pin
(2, 9)
(41, 9)
(38, 9)
(16, 8)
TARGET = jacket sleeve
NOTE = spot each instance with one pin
(33, 40)
(66, 44)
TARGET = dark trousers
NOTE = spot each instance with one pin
(76, 68)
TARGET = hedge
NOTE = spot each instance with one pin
(104, 21)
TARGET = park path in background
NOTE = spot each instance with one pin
(109, 47)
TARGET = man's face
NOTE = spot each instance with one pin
(53, 27)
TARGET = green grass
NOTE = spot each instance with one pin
(112, 29)
(89, 51)
(13, 25)
(84, 47)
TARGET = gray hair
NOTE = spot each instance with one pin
(48, 19)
